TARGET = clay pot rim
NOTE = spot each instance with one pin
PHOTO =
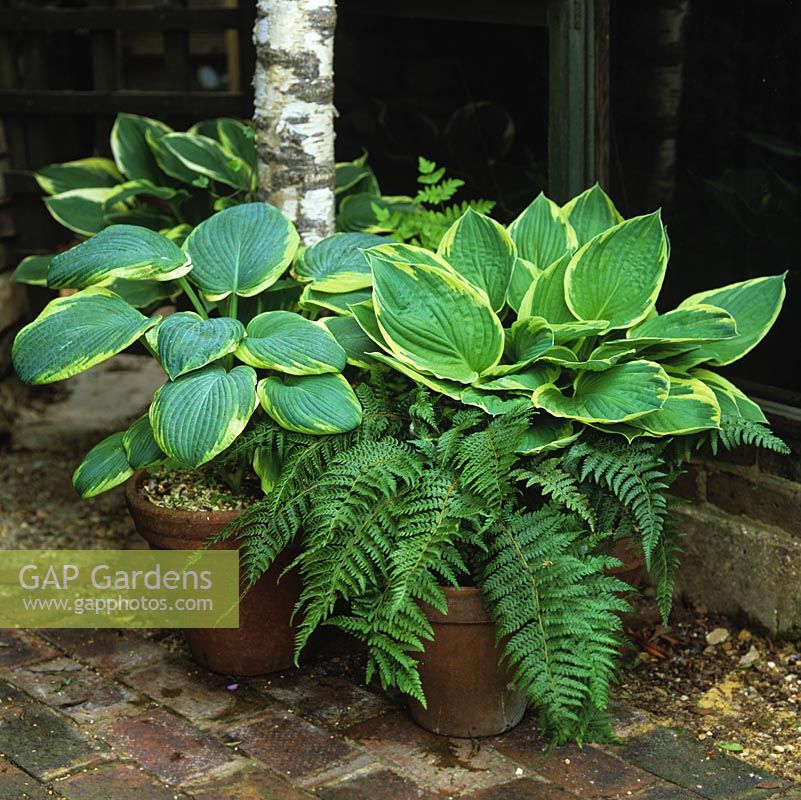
(465, 607)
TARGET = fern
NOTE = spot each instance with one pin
(737, 431)
(666, 562)
(555, 608)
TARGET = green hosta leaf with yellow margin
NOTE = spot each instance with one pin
(754, 304)
(144, 293)
(604, 356)
(185, 341)
(546, 296)
(121, 251)
(701, 323)
(287, 342)
(618, 274)
(690, 407)
(312, 300)
(492, 403)
(103, 467)
(527, 380)
(435, 320)
(315, 404)
(524, 274)
(590, 213)
(450, 389)
(208, 157)
(526, 341)
(80, 210)
(242, 250)
(74, 333)
(80, 174)
(129, 145)
(32, 270)
(198, 415)
(482, 252)
(618, 394)
(548, 433)
(352, 339)
(542, 233)
(337, 264)
(141, 448)
(731, 398)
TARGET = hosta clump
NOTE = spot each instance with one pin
(240, 348)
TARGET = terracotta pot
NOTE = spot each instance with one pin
(264, 640)
(632, 571)
(469, 694)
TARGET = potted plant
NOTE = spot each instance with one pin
(239, 350)
(555, 405)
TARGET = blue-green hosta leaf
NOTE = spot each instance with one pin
(542, 233)
(546, 296)
(287, 342)
(121, 251)
(690, 407)
(80, 210)
(365, 317)
(76, 332)
(481, 251)
(103, 467)
(352, 339)
(241, 250)
(337, 264)
(82, 174)
(141, 448)
(205, 156)
(143, 294)
(590, 213)
(618, 274)
(618, 394)
(524, 274)
(754, 304)
(357, 211)
(198, 415)
(402, 253)
(450, 389)
(312, 300)
(492, 403)
(355, 177)
(548, 433)
(129, 145)
(527, 380)
(315, 404)
(32, 270)
(731, 398)
(569, 332)
(185, 341)
(701, 323)
(434, 320)
(140, 187)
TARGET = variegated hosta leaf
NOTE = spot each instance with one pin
(754, 304)
(76, 332)
(690, 407)
(287, 342)
(542, 233)
(546, 296)
(590, 213)
(198, 415)
(526, 380)
(130, 147)
(357, 211)
(144, 293)
(701, 323)
(267, 465)
(130, 190)
(524, 274)
(32, 270)
(604, 356)
(312, 300)
(121, 251)
(337, 264)
(492, 403)
(731, 398)
(239, 139)
(243, 250)
(402, 253)
(621, 393)
(481, 251)
(103, 467)
(567, 332)
(352, 339)
(450, 389)
(530, 338)
(435, 320)
(185, 341)
(618, 274)
(205, 156)
(315, 404)
(80, 210)
(548, 433)
(365, 317)
(141, 448)
(81, 174)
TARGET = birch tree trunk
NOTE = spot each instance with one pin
(294, 110)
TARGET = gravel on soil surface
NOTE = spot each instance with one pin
(730, 686)
(193, 491)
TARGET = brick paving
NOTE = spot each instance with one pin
(113, 715)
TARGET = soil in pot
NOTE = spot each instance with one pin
(264, 641)
(468, 692)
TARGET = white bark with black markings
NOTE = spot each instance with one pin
(294, 111)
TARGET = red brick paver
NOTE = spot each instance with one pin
(114, 782)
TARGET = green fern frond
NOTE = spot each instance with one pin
(666, 562)
(737, 431)
(560, 486)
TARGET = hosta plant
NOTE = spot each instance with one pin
(238, 350)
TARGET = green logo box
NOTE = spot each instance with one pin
(119, 589)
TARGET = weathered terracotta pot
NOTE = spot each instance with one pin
(264, 640)
(469, 694)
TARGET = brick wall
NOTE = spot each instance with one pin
(743, 535)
